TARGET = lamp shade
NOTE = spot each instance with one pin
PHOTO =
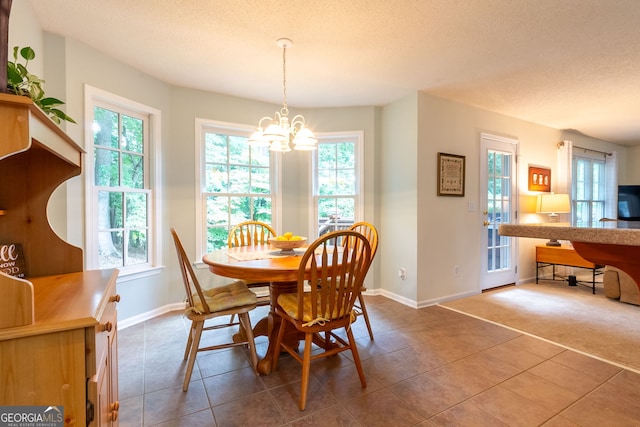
(553, 203)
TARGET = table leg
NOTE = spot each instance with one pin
(272, 322)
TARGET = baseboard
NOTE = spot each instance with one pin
(140, 318)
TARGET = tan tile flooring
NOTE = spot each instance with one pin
(425, 367)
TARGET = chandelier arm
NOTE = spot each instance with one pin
(263, 119)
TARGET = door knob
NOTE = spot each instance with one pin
(486, 223)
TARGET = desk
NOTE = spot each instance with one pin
(282, 274)
(563, 255)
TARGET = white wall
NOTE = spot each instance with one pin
(449, 233)
(398, 194)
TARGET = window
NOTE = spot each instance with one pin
(120, 195)
(588, 192)
(236, 182)
(337, 182)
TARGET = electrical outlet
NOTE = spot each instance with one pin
(456, 271)
(402, 273)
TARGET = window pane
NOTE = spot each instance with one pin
(346, 154)
(238, 150)
(238, 179)
(215, 148)
(137, 247)
(240, 209)
(136, 210)
(326, 156)
(132, 137)
(346, 182)
(107, 167)
(105, 128)
(260, 183)
(216, 238)
(326, 182)
(110, 249)
(260, 156)
(216, 179)
(346, 210)
(217, 210)
(262, 209)
(132, 171)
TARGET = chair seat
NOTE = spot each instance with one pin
(220, 298)
(289, 303)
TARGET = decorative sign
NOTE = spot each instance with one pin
(539, 179)
(450, 175)
(12, 259)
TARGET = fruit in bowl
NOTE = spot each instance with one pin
(287, 242)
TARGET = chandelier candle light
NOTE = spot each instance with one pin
(280, 134)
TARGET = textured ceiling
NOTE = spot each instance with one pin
(568, 64)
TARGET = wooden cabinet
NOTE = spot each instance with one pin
(58, 325)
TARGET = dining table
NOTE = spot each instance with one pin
(263, 263)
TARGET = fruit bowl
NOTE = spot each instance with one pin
(287, 245)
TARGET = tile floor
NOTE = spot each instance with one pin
(425, 367)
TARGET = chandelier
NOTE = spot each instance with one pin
(280, 134)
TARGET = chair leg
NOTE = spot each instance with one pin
(197, 332)
(278, 344)
(365, 315)
(187, 349)
(356, 358)
(306, 368)
(245, 324)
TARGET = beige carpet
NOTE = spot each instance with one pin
(569, 316)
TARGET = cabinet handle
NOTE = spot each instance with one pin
(107, 327)
(115, 298)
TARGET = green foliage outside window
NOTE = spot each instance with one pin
(119, 162)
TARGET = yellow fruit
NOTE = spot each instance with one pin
(281, 238)
(295, 238)
(288, 235)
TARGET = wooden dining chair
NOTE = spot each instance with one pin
(249, 233)
(317, 311)
(204, 304)
(371, 233)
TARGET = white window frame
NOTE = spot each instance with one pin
(358, 138)
(595, 157)
(226, 128)
(93, 97)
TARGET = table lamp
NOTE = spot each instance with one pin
(553, 204)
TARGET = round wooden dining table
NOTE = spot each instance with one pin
(264, 264)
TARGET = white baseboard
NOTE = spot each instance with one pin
(140, 318)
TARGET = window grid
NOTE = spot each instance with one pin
(588, 192)
(237, 184)
(336, 184)
(121, 186)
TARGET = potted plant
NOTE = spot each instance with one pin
(21, 82)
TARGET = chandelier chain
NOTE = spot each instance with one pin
(284, 78)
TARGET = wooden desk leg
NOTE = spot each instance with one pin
(273, 324)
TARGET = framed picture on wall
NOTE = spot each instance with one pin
(539, 179)
(451, 175)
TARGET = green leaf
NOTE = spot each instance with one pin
(62, 115)
(27, 53)
(51, 102)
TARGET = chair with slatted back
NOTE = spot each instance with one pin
(249, 233)
(339, 270)
(371, 233)
(204, 304)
